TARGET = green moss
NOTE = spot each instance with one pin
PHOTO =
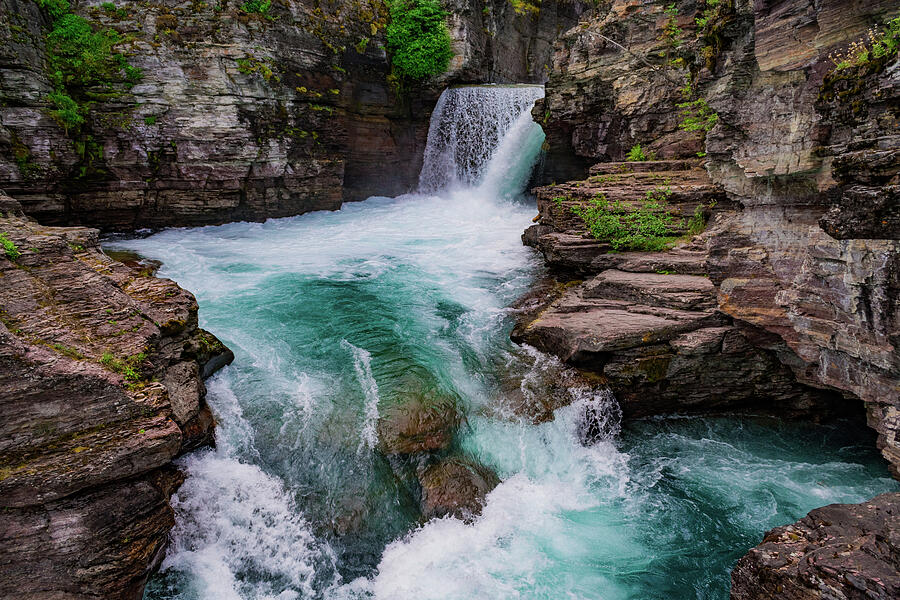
(648, 227)
(9, 248)
(129, 367)
(68, 351)
(418, 38)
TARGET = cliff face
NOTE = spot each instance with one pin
(803, 257)
(241, 116)
(806, 259)
(101, 369)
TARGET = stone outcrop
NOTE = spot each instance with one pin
(803, 258)
(649, 321)
(100, 388)
(807, 266)
(239, 116)
(847, 551)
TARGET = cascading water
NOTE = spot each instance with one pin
(334, 317)
(468, 125)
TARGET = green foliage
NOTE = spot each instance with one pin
(879, 44)
(66, 111)
(637, 154)
(259, 7)
(418, 39)
(9, 248)
(252, 65)
(129, 367)
(68, 351)
(83, 63)
(526, 7)
(697, 116)
(150, 120)
(671, 30)
(55, 8)
(647, 228)
(697, 223)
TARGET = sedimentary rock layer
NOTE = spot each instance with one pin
(100, 388)
(241, 116)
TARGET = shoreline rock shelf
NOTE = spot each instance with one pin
(100, 388)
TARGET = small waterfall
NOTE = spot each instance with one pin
(470, 127)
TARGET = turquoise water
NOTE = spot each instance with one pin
(334, 316)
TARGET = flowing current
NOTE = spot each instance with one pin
(335, 316)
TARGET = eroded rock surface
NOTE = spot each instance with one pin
(241, 116)
(847, 551)
(100, 388)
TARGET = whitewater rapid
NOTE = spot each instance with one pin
(332, 315)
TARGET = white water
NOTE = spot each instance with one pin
(467, 127)
(332, 315)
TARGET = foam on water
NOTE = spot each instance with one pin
(333, 315)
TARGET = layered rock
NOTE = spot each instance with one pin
(805, 270)
(649, 321)
(101, 388)
(241, 116)
(848, 551)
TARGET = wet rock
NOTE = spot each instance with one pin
(420, 421)
(455, 486)
(101, 388)
(848, 551)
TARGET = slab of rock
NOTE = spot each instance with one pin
(100, 388)
(840, 551)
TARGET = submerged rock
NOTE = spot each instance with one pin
(841, 551)
(418, 421)
(455, 486)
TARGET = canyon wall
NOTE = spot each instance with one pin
(796, 275)
(241, 116)
(101, 387)
(804, 254)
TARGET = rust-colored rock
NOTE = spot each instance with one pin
(100, 388)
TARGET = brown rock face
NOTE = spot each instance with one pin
(848, 551)
(807, 269)
(649, 321)
(100, 389)
(241, 117)
(455, 487)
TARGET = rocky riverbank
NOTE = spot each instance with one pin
(787, 302)
(101, 386)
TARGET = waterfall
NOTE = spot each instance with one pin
(475, 128)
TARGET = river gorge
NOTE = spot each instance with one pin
(554, 299)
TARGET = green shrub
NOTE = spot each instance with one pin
(129, 367)
(81, 60)
(150, 120)
(637, 154)
(259, 7)
(66, 110)
(418, 39)
(646, 228)
(9, 248)
(697, 116)
(878, 44)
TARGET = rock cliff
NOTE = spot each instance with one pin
(101, 387)
(800, 262)
(240, 115)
